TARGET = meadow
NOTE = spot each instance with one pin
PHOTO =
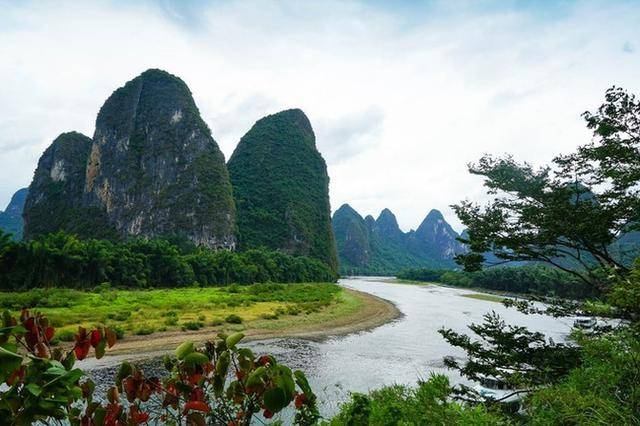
(143, 312)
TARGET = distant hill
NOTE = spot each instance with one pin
(378, 246)
(281, 187)
(11, 217)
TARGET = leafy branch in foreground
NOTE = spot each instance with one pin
(217, 384)
(521, 358)
(197, 390)
(41, 381)
(568, 214)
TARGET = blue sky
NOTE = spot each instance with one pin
(402, 95)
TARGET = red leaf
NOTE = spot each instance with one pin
(82, 349)
(267, 414)
(111, 336)
(95, 337)
(82, 335)
(30, 325)
(197, 405)
(48, 333)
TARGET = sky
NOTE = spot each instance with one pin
(402, 95)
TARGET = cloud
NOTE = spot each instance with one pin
(401, 96)
(342, 137)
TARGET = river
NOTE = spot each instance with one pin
(402, 351)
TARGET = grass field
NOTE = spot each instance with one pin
(142, 312)
(485, 296)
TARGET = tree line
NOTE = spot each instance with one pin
(63, 260)
(529, 279)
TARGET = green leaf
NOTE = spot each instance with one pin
(34, 389)
(255, 378)
(124, 371)
(196, 358)
(99, 415)
(223, 364)
(303, 383)
(9, 362)
(275, 400)
(184, 349)
(100, 348)
(232, 340)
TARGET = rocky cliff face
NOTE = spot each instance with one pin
(55, 201)
(436, 238)
(281, 187)
(378, 246)
(154, 168)
(11, 218)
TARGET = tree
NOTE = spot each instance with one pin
(524, 360)
(569, 213)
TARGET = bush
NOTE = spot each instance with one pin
(233, 319)
(192, 325)
(429, 404)
(217, 321)
(65, 335)
(144, 330)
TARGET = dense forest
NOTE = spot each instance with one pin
(529, 279)
(63, 260)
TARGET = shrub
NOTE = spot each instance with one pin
(217, 321)
(233, 319)
(65, 335)
(144, 330)
(192, 325)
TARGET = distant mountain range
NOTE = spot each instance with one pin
(379, 247)
(11, 218)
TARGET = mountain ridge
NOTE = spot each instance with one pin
(378, 246)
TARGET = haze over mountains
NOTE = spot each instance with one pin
(11, 218)
(378, 246)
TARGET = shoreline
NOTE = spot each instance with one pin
(373, 313)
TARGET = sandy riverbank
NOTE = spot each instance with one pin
(363, 312)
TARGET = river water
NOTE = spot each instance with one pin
(402, 351)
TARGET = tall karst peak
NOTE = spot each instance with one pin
(352, 237)
(152, 169)
(56, 194)
(387, 224)
(435, 233)
(281, 187)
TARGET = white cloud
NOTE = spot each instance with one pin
(401, 99)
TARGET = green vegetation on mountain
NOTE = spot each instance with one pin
(154, 167)
(281, 188)
(11, 221)
(379, 247)
(63, 260)
(56, 194)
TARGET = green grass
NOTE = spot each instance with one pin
(142, 312)
(484, 296)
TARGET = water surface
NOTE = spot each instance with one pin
(402, 351)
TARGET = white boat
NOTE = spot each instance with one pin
(585, 323)
(497, 389)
